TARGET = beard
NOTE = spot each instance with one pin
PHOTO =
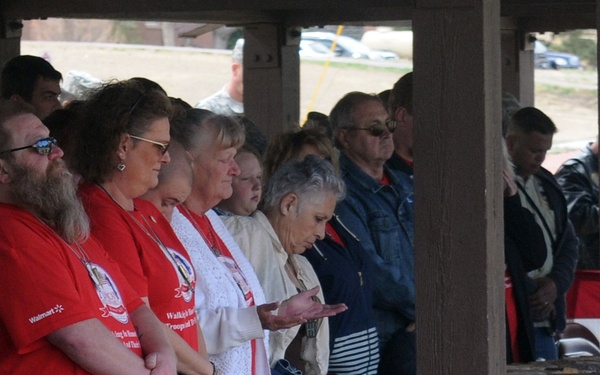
(52, 198)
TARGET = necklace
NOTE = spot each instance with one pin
(213, 245)
(295, 276)
(83, 257)
(154, 236)
(224, 257)
(96, 277)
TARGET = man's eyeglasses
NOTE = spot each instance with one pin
(43, 147)
(379, 128)
(163, 147)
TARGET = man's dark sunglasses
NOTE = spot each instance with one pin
(43, 147)
(379, 128)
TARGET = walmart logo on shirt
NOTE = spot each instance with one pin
(54, 310)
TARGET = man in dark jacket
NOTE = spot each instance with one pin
(529, 137)
(400, 109)
(578, 178)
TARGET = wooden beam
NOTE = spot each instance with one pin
(537, 8)
(458, 188)
(272, 77)
(559, 23)
(510, 61)
(200, 30)
(517, 62)
(547, 14)
(10, 39)
(208, 11)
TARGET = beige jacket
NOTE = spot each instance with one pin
(257, 239)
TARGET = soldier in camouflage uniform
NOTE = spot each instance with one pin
(229, 100)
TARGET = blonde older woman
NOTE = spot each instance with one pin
(229, 298)
(299, 200)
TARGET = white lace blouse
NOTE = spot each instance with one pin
(227, 323)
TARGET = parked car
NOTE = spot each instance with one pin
(546, 59)
(347, 47)
(309, 48)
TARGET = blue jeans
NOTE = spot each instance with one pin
(545, 346)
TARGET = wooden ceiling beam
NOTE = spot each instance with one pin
(538, 15)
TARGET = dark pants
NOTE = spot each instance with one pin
(399, 356)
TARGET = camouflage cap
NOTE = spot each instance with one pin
(238, 51)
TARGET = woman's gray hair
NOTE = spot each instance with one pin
(307, 179)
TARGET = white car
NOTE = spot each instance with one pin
(309, 48)
(346, 46)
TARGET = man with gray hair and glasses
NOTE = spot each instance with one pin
(378, 209)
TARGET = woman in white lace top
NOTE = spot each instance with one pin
(229, 299)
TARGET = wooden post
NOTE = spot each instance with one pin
(517, 61)
(10, 39)
(526, 65)
(272, 77)
(598, 65)
(458, 188)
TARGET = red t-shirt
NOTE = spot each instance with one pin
(130, 239)
(46, 287)
(385, 180)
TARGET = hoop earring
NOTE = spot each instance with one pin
(121, 167)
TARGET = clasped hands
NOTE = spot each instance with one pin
(296, 310)
(160, 364)
(542, 301)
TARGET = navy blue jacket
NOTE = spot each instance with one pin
(344, 274)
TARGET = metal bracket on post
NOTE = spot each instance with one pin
(261, 49)
(10, 28)
(292, 36)
(527, 42)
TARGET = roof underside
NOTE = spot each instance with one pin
(533, 15)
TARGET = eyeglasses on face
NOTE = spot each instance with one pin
(379, 128)
(43, 147)
(163, 147)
